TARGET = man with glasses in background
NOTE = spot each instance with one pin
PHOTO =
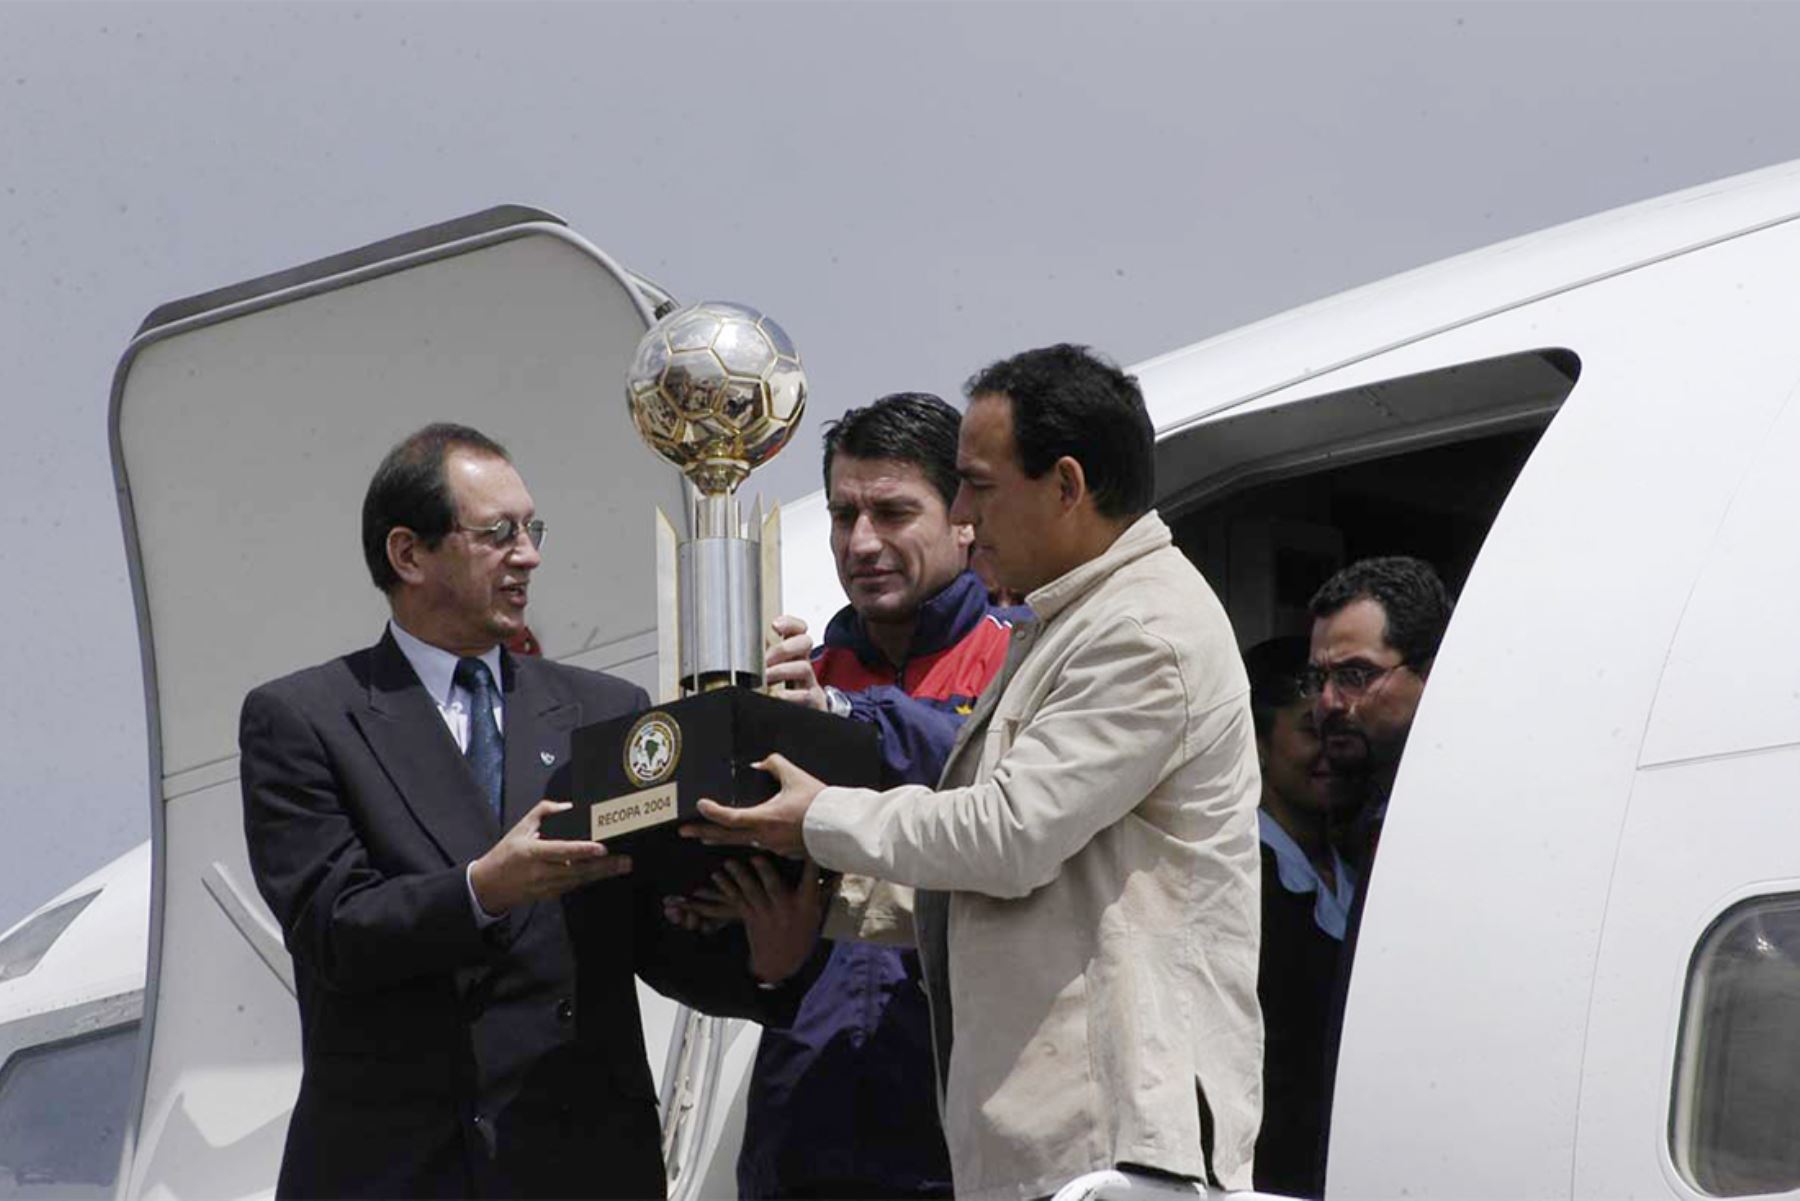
(1375, 634)
(1376, 628)
(392, 800)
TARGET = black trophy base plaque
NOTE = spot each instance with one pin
(636, 779)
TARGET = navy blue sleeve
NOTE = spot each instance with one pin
(915, 734)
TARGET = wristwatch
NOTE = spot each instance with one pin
(836, 702)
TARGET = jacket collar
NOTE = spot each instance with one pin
(943, 621)
(1141, 537)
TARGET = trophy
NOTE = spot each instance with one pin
(716, 389)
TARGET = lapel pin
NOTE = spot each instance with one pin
(547, 757)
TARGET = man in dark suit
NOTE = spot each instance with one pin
(454, 1042)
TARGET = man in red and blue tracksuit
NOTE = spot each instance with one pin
(843, 1103)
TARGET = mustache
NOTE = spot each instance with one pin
(1338, 725)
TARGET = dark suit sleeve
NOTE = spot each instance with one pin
(352, 927)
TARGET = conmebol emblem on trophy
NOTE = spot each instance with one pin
(716, 389)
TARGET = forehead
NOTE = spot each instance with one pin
(986, 436)
(1357, 631)
(866, 480)
(485, 487)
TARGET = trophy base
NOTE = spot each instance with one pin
(638, 778)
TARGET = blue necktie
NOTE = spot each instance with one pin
(485, 753)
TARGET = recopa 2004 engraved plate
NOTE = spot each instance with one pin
(633, 811)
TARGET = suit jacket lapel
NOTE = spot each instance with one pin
(538, 723)
(408, 736)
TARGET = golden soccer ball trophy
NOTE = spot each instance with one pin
(717, 389)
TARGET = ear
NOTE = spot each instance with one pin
(1071, 482)
(963, 536)
(403, 549)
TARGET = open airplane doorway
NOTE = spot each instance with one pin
(1419, 466)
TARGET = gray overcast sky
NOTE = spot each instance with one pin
(912, 189)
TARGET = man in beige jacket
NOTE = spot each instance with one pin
(1087, 914)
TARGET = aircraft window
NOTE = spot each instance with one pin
(62, 1115)
(21, 950)
(1735, 1129)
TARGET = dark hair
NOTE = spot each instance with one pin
(1275, 668)
(409, 490)
(1412, 599)
(1067, 400)
(907, 427)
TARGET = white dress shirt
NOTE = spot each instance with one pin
(436, 669)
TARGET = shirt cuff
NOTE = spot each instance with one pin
(483, 919)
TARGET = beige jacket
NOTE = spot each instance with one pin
(1091, 934)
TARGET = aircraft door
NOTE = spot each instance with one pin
(246, 424)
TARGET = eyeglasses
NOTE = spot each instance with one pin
(1351, 679)
(505, 532)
